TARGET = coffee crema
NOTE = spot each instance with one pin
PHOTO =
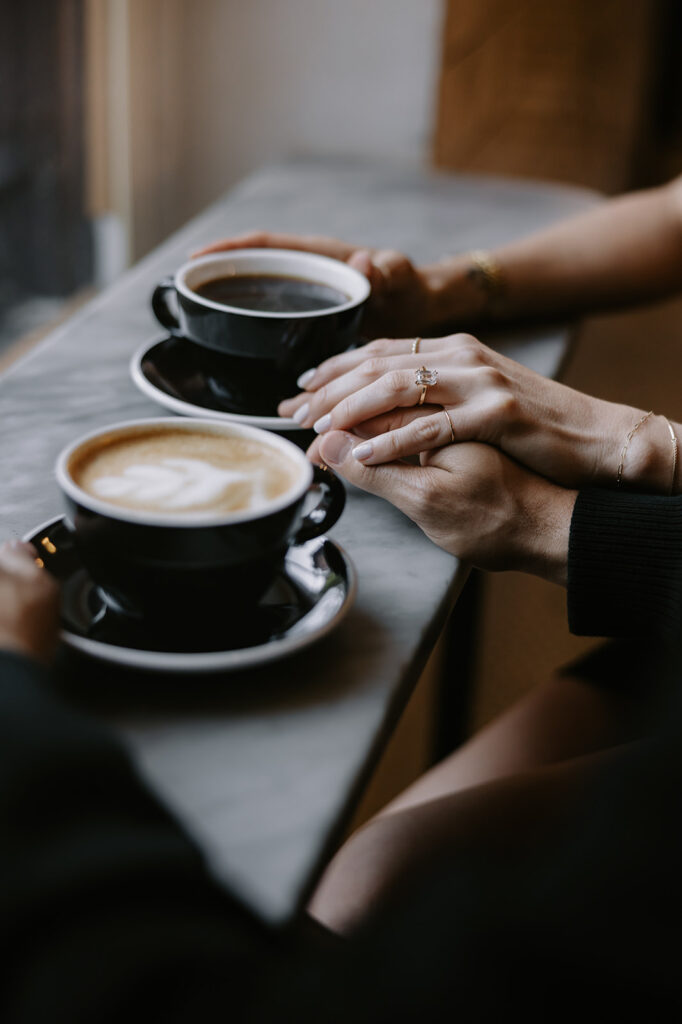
(271, 293)
(176, 472)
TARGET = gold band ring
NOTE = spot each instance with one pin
(452, 429)
(424, 379)
(415, 346)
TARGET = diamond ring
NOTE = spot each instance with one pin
(424, 379)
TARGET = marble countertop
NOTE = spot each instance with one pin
(265, 766)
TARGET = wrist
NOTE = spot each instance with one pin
(549, 509)
(644, 452)
(451, 294)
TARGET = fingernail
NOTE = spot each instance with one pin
(301, 413)
(363, 451)
(306, 377)
(323, 424)
(336, 448)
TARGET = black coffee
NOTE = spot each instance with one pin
(271, 293)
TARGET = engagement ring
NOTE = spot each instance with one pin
(425, 379)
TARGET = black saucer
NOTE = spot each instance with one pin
(193, 381)
(310, 596)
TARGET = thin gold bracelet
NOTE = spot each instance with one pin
(673, 439)
(628, 438)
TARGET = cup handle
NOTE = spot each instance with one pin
(327, 510)
(160, 307)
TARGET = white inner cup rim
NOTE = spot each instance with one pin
(321, 269)
(185, 520)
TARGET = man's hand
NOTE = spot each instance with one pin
(29, 604)
(472, 501)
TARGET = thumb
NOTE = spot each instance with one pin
(394, 481)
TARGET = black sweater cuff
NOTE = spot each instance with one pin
(625, 564)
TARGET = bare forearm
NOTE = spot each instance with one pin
(626, 251)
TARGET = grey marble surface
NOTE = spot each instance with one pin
(264, 767)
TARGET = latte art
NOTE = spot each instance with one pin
(183, 472)
(178, 484)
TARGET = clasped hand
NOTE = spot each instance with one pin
(502, 495)
(564, 435)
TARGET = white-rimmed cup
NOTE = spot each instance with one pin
(184, 569)
(262, 353)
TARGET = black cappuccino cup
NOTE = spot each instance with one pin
(184, 524)
(261, 318)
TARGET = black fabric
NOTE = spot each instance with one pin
(107, 911)
(625, 564)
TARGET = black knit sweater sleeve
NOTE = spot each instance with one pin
(625, 564)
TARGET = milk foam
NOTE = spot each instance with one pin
(183, 472)
(176, 484)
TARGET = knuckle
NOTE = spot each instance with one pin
(494, 379)
(506, 402)
(374, 367)
(393, 442)
(470, 348)
(378, 347)
(321, 397)
(396, 381)
(333, 366)
(394, 259)
(427, 430)
(425, 492)
(348, 410)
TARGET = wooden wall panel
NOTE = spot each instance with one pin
(158, 114)
(554, 90)
(136, 116)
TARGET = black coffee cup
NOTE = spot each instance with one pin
(258, 354)
(201, 572)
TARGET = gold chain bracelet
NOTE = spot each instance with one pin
(628, 438)
(673, 439)
(626, 443)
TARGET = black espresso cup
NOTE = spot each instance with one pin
(262, 317)
(184, 524)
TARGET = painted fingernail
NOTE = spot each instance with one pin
(323, 424)
(336, 447)
(363, 451)
(306, 377)
(301, 413)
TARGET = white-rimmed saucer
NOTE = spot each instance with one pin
(310, 597)
(169, 371)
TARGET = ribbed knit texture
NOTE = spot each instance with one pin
(625, 564)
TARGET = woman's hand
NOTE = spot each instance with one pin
(29, 604)
(402, 299)
(472, 501)
(568, 437)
